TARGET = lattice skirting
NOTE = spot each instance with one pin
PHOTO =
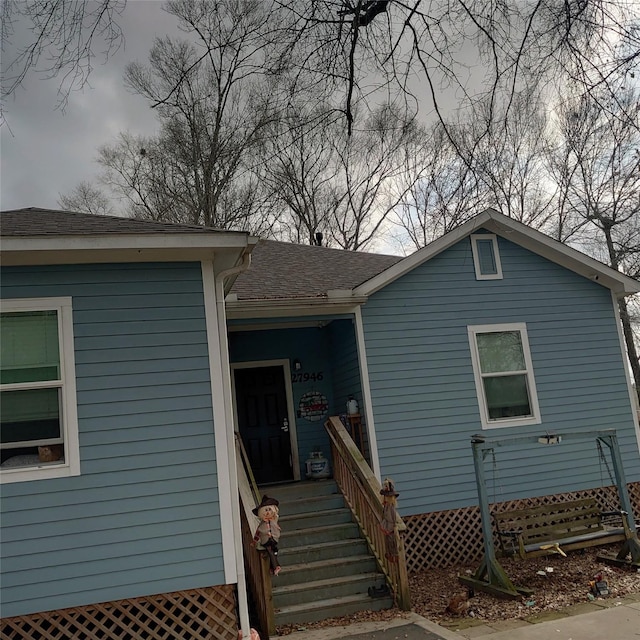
(198, 613)
(446, 538)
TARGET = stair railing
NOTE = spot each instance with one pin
(361, 490)
(256, 563)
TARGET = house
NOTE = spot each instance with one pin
(170, 338)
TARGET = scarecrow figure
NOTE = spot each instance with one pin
(268, 531)
(388, 522)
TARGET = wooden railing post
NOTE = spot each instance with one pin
(362, 492)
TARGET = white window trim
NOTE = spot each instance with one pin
(476, 256)
(535, 418)
(71, 464)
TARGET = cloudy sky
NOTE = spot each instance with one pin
(45, 152)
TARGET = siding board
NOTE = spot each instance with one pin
(156, 518)
(169, 502)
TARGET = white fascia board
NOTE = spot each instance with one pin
(520, 234)
(562, 254)
(248, 309)
(121, 247)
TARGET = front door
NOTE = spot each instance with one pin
(261, 401)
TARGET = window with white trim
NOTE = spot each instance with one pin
(504, 377)
(38, 413)
(486, 257)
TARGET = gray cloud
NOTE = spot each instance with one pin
(45, 152)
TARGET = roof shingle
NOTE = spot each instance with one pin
(34, 222)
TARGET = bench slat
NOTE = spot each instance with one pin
(573, 524)
(588, 537)
(569, 527)
(559, 507)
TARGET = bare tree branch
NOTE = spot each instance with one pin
(64, 35)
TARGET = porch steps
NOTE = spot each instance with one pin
(327, 569)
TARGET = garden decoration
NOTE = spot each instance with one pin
(268, 531)
(388, 522)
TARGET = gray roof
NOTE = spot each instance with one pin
(278, 269)
(283, 270)
(32, 222)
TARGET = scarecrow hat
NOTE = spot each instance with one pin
(266, 501)
(388, 489)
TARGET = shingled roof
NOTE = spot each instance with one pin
(284, 270)
(35, 222)
(278, 269)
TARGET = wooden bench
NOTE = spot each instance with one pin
(555, 528)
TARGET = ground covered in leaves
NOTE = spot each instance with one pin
(557, 582)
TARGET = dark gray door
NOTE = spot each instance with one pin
(261, 400)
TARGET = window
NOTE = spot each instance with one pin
(38, 415)
(504, 375)
(486, 258)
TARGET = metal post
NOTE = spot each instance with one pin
(490, 576)
(483, 500)
(621, 482)
(629, 554)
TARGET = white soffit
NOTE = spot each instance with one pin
(162, 247)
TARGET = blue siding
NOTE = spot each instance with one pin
(346, 368)
(423, 389)
(143, 517)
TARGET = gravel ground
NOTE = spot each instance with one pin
(557, 582)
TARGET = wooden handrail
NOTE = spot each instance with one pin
(243, 461)
(255, 558)
(361, 490)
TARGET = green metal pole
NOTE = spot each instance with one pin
(490, 576)
(483, 499)
(612, 442)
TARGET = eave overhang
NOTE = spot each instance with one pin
(290, 307)
(224, 249)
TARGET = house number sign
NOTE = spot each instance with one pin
(315, 376)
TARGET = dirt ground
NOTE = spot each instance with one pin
(557, 582)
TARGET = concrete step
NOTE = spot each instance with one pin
(323, 551)
(300, 574)
(337, 587)
(330, 608)
(332, 532)
(311, 519)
